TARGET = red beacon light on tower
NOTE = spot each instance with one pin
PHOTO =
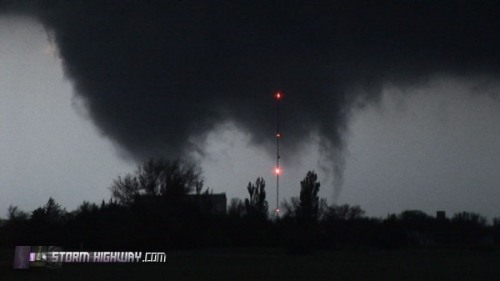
(277, 171)
(278, 95)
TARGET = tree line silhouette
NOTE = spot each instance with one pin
(162, 205)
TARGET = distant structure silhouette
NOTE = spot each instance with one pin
(441, 215)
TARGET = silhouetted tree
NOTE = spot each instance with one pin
(86, 207)
(496, 229)
(344, 212)
(199, 187)
(415, 220)
(309, 203)
(256, 205)
(413, 216)
(169, 178)
(51, 213)
(15, 229)
(236, 208)
(469, 227)
(301, 216)
(469, 218)
(158, 178)
(125, 190)
(15, 215)
(49, 222)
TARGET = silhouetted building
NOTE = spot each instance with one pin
(441, 215)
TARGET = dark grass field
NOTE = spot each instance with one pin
(265, 264)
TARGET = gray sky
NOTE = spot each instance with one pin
(430, 147)
(47, 147)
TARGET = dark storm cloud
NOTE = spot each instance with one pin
(155, 74)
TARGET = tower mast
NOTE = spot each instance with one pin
(278, 97)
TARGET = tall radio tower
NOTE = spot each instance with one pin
(278, 97)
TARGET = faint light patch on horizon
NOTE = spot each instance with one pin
(431, 148)
(47, 148)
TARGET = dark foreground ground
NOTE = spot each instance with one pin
(264, 264)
